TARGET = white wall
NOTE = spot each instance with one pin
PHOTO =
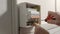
(5, 17)
(3, 7)
(46, 5)
(58, 5)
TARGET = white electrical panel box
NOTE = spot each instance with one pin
(28, 14)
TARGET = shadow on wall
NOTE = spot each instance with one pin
(5, 19)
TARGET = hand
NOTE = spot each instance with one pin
(39, 29)
(36, 24)
(53, 18)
